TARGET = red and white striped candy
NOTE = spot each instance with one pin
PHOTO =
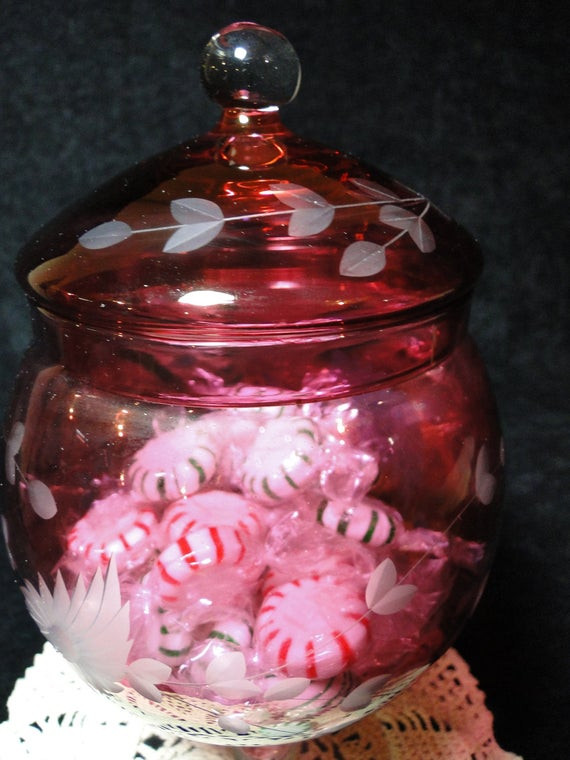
(312, 628)
(174, 464)
(284, 457)
(211, 509)
(335, 568)
(367, 522)
(112, 527)
(200, 549)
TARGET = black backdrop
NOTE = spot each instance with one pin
(462, 101)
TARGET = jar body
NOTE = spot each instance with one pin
(260, 569)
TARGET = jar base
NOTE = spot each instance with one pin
(282, 752)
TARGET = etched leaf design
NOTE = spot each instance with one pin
(195, 210)
(312, 213)
(310, 221)
(15, 438)
(415, 226)
(105, 235)
(202, 220)
(6, 537)
(190, 237)
(394, 600)
(363, 694)
(287, 688)
(143, 674)
(234, 723)
(485, 482)
(13, 446)
(396, 216)
(297, 196)
(228, 666)
(226, 676)
(422, 236)
(362, 259)
(383, 578)
(41, 499)
(10, 464)
(373, 189)
(383, 596)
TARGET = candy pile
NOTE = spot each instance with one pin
(254, 531)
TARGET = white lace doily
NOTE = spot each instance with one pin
(53, 714)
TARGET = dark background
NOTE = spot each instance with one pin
(462, 101)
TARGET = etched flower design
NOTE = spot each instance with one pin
(91, 629)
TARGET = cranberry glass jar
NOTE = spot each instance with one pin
(253, 460)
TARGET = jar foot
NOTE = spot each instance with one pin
(281, 752)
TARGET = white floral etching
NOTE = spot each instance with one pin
(362, 259)
(201, 220)
(41, 499)
(287, 688)
(485, 481)
(105, 235)
(91, 629)
(13, 445)
(384, 595)
(415, 226)
(226, 676)
(6, 537)
(312, 213)
(234, 723)
(363, 694)
(373, 189)
(40, 496)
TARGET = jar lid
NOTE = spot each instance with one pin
(249, 227)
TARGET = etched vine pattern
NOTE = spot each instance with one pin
(199, 221)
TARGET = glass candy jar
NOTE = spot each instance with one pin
(253, 461)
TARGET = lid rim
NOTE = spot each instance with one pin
(208, 332)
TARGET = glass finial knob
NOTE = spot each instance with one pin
(250, 66)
